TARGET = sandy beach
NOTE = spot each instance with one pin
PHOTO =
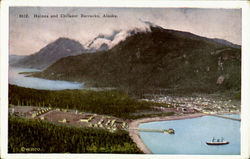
(134, 134)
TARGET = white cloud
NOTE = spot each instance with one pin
(29, 35)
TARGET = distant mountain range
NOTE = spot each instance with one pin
(64, 47)
(15, 58)
(159, 58)
(54, 51)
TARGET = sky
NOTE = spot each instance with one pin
(29, 35)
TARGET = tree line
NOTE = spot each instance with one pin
(34, 136)
(110, 102)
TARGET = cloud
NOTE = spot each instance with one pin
(117, 36)
(27, 36)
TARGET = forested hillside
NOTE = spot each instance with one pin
(161, 58)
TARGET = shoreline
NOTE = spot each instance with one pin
(134, 134)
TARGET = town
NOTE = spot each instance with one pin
(207, 105)
(177, 105)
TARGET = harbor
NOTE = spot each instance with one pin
(193, 136)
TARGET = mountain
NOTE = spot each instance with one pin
(156, 59)
(225, 42)
(15, 58)
(60, 48)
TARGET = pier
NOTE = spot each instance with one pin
(225, 117)
(170, 131)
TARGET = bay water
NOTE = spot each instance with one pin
(38, 83)
(191, 136)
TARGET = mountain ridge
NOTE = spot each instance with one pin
(48, 55)
(62, 47)
(162, 58)
(228, 43)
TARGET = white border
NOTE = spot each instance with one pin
(245, 84)
(245, 107)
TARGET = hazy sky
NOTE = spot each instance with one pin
(29, 35)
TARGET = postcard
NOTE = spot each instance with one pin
(125, 80)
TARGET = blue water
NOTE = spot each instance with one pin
(236, 116)
(39, 83)
(191, 135)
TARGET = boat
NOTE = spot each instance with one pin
(217, 142)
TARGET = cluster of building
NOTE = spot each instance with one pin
(105, 122)
(28, 111)
(41, 111)
(201, 104)
(71, 117)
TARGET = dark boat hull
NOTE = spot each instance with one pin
(217, 143)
